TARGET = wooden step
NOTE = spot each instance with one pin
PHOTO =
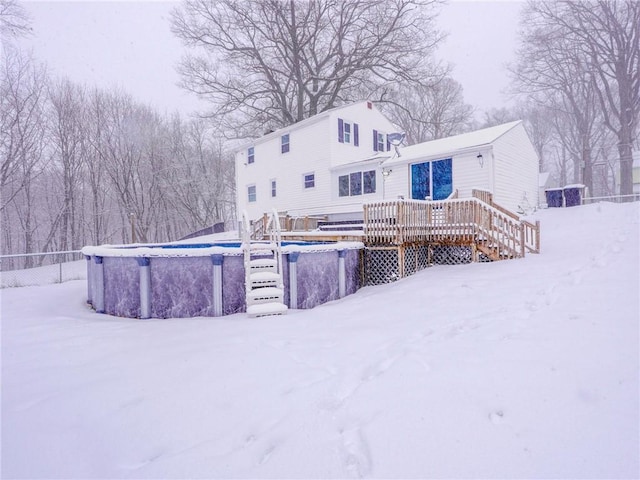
(491, 252)
(264, 309)
(265, 295)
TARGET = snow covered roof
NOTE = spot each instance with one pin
(454, 144)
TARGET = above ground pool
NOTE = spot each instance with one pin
(207, 279)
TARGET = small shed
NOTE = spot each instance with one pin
(573, 195)
(554, 197)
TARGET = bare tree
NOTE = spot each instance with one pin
(595, 46)
(22, 133)
(428, 112)
(270, 63)
(69, 150)
(201, 186)
(14, 20)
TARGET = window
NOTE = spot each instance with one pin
(347, 132)
(369, 181)
(250, 155)
(273, 188)
(284, 143)
(251, 192)
(309, 180)
(433, 180)
(357, 183)
(379, 142)
(343, 185)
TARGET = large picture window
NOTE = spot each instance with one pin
(432, 180)
(357, 183)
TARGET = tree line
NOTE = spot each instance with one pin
(83, 166)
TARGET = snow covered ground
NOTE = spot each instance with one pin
(516, 369)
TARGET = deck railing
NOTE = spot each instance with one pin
(397, 222)
(258, 228)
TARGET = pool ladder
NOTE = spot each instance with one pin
(263, 270)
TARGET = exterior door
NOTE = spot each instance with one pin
(433, 180)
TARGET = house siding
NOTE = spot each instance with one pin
(314, 148)
(307, 154)
(515, 171)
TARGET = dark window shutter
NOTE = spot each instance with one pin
(388, 144)
(340, 130)
(375, 140)
(355, 134)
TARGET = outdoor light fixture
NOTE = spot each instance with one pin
(480, 160)
(386, 172)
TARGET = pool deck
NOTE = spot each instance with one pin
(325, 236)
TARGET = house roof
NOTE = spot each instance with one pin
(456, 144)
(297, 125)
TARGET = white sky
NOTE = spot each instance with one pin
(130, 45)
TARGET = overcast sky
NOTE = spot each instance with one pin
(130, 45)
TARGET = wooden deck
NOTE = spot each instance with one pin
(496, 232)
(476, 222)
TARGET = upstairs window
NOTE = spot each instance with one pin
(309, 180)
(251, 193)
(273, 188)
(250, 155)
(284, 143)
(379, 143)
(347, 132)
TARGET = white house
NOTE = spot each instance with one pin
(291, 169)
(332, 163)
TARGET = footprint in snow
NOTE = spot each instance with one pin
(497, 417)
(357, 460)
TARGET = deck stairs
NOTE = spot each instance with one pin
(263, 270)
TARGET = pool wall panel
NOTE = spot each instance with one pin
(121, 286)
(317, 278)
(181, 287)
(352, 270)
(233, 292)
